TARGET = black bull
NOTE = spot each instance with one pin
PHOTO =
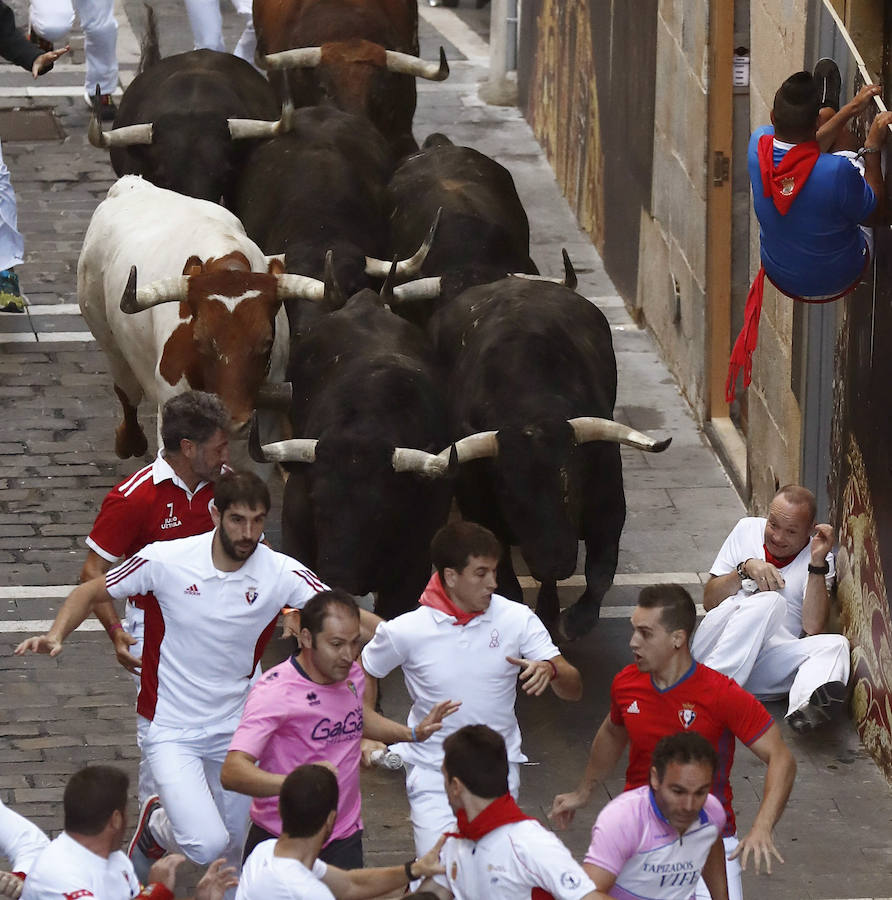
(533, 378)
(364, 505)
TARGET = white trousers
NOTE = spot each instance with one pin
(12, 244)
(744, 638)
(199, 818)
(732, 870)
(429, 809)
(206, 22)
(21, 841)
(134, 625)
(52, 19)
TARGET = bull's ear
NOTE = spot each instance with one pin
(193, 266)
(334, 298)
(275, 265)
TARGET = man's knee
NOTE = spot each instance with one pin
(53, 21)
(204, 849)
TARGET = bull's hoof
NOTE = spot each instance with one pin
(576, 622)
(130, 443)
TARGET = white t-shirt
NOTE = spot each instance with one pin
(746, 541)
(442, 661)
(21, 841)
(268, 877)
(509, 862)
(67, 870)
(205, 629)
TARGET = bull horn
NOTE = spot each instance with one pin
(483, 445)
(298, 58)
(135, 300)
(406, 64)
(261, 128)
(274, 395)
(591, 428)
(405, 268)
(293, 450)
(406, 459)
(569, 280)
(302, 286)
(420, 289)
(126, 136)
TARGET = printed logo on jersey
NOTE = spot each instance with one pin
(76, 895)
(193, 591)
(171, 520)
(313, 698)
(633, 707)
(251, 595)
(686, 714)
(494, 638)
(570, 880)
(332, 731)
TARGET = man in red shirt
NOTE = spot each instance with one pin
(169, 498)
(665, 691)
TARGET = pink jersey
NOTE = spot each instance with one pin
(290, 720)
(651, 861)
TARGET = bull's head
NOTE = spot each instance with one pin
(224, 343)
(538, 477)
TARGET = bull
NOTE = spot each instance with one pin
(180, 123)
(483, 234)
(365, 492)
(209, 317)
(532, 386)
(317, 187)
(357, 55)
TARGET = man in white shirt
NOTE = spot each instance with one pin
(768, 606)
(85, 861)
(21, 842)
(467, 644)
(498, 853)
(289, 868)
(215, 601)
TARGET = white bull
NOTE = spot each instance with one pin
(227, 334)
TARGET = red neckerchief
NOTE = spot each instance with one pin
(502, 811)
(785, 182)
(435, 597)
(778, 562)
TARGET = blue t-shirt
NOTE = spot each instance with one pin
(817, 248)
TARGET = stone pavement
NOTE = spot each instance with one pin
(56, 462)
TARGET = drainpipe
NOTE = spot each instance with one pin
(501, 87)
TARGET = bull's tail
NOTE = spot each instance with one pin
(150, 51)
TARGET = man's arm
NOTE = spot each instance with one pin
(603, 880)
(538, 674)
(77, 606)
(779, 776)
(358, 884)
(714, 872)
(816, 603)
(376, 727)
(830, 130)
(606, 749)
(873, 168)
(240, 774)
(95, 566)
(719, 588)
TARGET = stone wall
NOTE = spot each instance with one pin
(671, 291)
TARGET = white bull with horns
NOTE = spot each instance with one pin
(180, 298)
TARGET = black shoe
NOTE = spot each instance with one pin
(104, 104)
(829, 81)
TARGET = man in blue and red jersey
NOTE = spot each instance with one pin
(666, 691)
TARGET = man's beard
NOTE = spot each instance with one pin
(230, 549)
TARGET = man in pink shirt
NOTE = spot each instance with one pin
(309, 709)
(654, 842)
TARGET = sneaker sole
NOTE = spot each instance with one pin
(144, 815)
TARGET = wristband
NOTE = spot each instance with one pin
(408, 867)
(415, 741)
(155, 891)
(553, 669)
(865, 150)
(819, 570)
(113, 627)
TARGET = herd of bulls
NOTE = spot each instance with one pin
(251, 259)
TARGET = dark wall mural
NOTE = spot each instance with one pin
(861, 487)
(586, 74)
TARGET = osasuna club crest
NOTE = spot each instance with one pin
(251, 595)
(686, 715)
